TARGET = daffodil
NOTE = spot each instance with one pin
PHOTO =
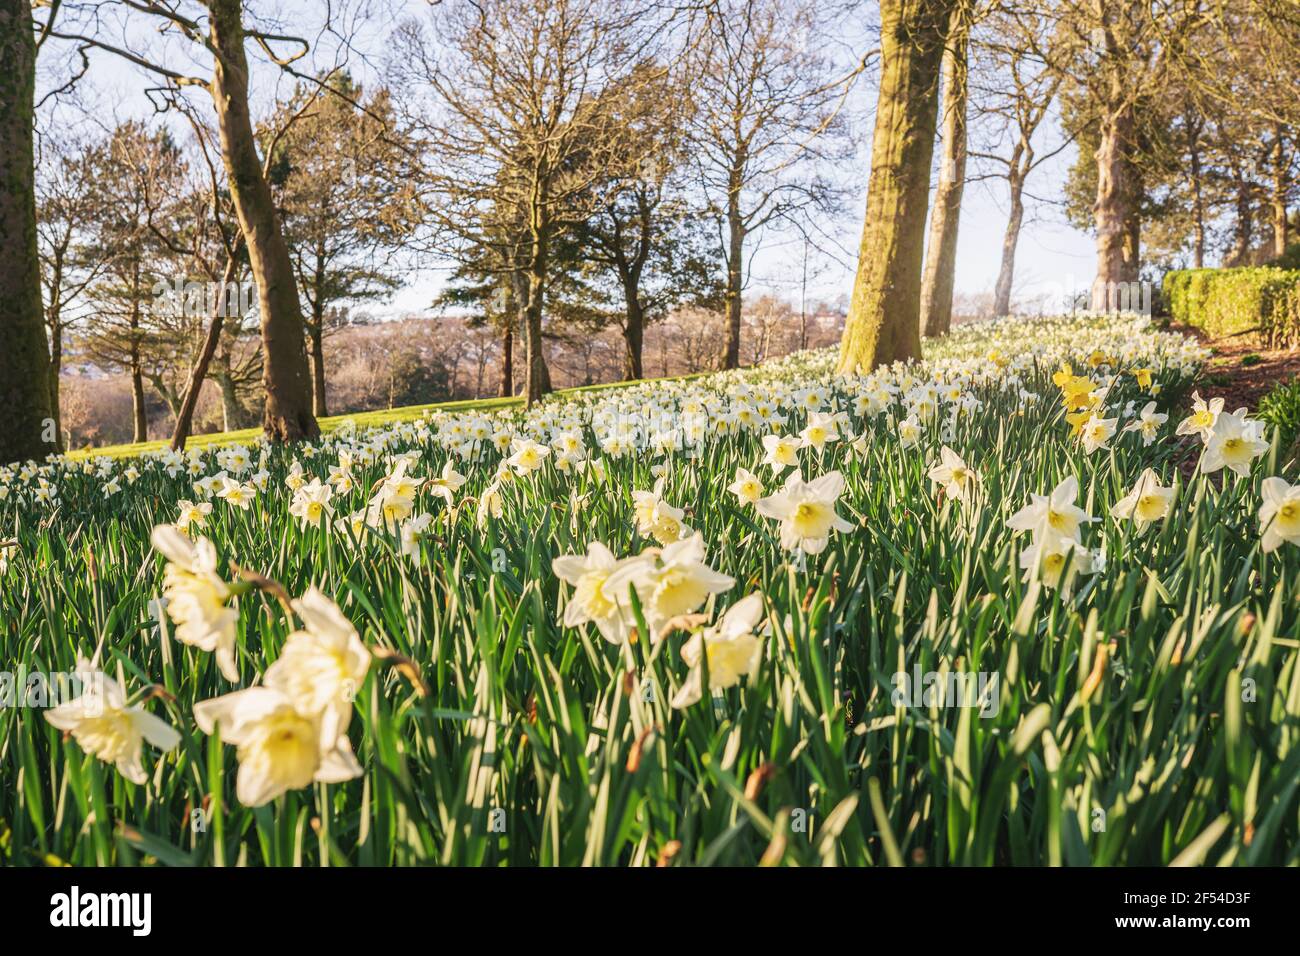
(322, 665)
(591, 602)
(954, 476)
(1147, 502)
(311, 502)
(1054, 516)
(1201, 420)
(821, 428)
(780, 452)
(1048, 560)
(1096, 432)
(909, 432)
(746, 487)
(104, 726)
(196, 596)
(806, 511)
(1279, 515)
(279, 748)
(730, 649)
(1148, 423)
(528, 456)
(1235, 441)
(237, 494)
(674, 582)
(192, 515)
(447, 484)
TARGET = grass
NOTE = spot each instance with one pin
(491, 734)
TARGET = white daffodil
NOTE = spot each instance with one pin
(821, 428)
(806, 511)
(1052, 516)
(395, 499)
(781, 452)
(954, 476)
(909, 432)
(197, 597)
(1048, 559)
(490, 504)
(447, 484)
(278, 747)
(1204, 415)
(192, 515)
(746, 487)
(730, 648)
(102, 724)
(311, 502)
(1279, 515)
(670, 584)
(1148, 423)
(1147, 502)
(658, 519)
(590, 601)
(1235, 441)
(321, 666)
(237, 494)
(528, 456)
(1096, 432)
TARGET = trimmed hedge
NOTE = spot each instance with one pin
(1229, 301)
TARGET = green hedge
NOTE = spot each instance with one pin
(1229, 301)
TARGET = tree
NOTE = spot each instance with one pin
(765, 112)
(345, 197)
(1013, 90)
(138, 174)
(218, 28)
(941, 257)
(1114, 56)
(65, 190)
(883, 324)
(517, 130)
(24, 361)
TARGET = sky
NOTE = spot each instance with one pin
(1053, 257)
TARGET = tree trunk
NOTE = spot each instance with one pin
(233, 413)
(1244, 228)
(316, 335)
(139, 420)
(185, 417)
(509, 310)
(1279, 194)
(539, 380)
(883, 324)
(56, 367)
(735, 266)
(29, 430)
(1198, 213)
(1112, 210)
(1010, 238)
(941, 259)
(285, 375)
(633, 334)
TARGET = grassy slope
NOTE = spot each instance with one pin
(363, 419)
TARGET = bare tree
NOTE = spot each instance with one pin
(517, 130)
(1013, 91)
(222, 29)
(766, 112)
